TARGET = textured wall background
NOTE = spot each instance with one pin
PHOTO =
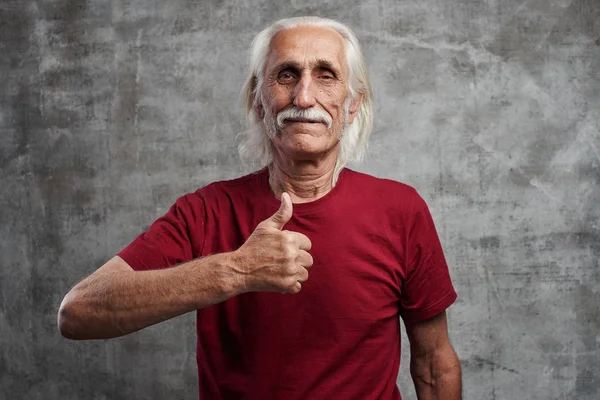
(110, 110)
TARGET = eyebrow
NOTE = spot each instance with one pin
(318, 64)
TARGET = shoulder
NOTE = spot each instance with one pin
(385, 190)
(393, 203)
(218, 191)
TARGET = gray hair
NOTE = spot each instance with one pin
(255, 146)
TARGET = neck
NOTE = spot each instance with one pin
(304, 182)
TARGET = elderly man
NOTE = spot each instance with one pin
(240, 252)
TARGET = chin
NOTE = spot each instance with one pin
(304, 146)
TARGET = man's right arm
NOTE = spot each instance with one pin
(116, 300)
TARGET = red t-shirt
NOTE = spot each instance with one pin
(376, 255)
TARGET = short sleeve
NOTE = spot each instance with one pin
(169, 240)
(427, 288)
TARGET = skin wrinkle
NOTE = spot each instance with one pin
(306, 68)
(313, 65)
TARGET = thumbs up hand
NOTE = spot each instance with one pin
(273, 259)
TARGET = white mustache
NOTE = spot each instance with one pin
(311, 114)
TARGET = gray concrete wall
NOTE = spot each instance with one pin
(110, 110)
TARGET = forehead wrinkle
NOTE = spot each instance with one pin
(312, 65)
(333, 54)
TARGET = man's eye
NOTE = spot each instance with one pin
(326, 77)
(285, 76)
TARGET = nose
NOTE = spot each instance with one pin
(304, 96)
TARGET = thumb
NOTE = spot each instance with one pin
(283, 215)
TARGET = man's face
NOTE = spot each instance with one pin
(306, 71)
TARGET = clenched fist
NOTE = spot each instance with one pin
(273, 259)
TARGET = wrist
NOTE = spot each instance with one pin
(232, 279)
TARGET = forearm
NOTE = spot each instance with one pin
(116, 303)
(437, 377)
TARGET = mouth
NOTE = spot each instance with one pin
(302, 121)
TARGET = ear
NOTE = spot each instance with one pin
(260, 112)
(258, 108)
(354, 107)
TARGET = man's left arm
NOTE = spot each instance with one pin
(434, 365)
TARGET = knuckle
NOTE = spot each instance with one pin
(277, 217)
(310, 260)
(303, 276)
(287, 237)
(289, 254)
(290, 282)
(260, 231)
(291, 268)
(294, 288)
